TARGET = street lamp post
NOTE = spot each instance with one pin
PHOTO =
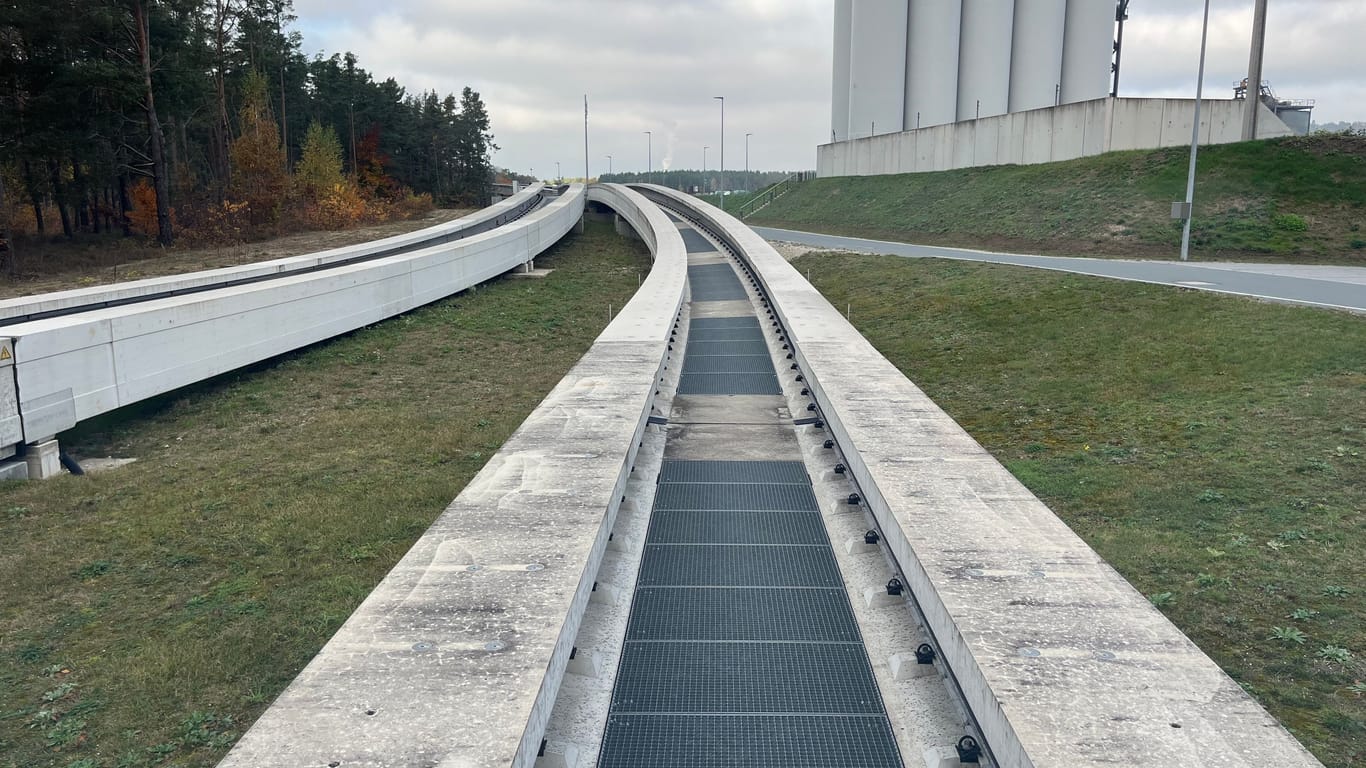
(747, 158)
(722, 190)
(704, 169)
(609, 165)
(558, 176)
(1189, 207)
(649, 162)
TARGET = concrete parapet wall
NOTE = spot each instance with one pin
(1047, 135)
(456, 658)
(1062, 662)
(68, 369)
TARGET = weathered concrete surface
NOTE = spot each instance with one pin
(456, 658)
(1062, 661)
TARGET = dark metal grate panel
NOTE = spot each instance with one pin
(694, 241)
(681, 471)
(748, 741)
(744, 648)
(709, 565)
(721, 496)
(729, 384)
(702, 613)
(727, 364)
(743, 321)
(715, 282)
(725, 334)
(726, 348)
(728, 527)
(745, 677)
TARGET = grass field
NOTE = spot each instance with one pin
(149, 614)
(1212, 449)
(1297, 199)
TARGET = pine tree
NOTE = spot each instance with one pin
(320, 163)
(258, 164)
(474, 145)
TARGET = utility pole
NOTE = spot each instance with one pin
(586, 175)
(609, 165)
(1189, 208)
(722, 190)
(649, 161)
(747, 158)
(1253, 95)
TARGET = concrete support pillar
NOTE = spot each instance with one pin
(1254, 72)
(43, 459)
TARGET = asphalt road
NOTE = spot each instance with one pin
(1312, 285)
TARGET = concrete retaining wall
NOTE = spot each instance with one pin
(1070, 131)
(1062, 662)
(456, 658)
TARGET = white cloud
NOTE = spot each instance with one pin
(656, 65)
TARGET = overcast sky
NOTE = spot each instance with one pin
(655, 66)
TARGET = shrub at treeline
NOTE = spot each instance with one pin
(202, 119)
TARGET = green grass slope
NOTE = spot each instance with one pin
(1211, 448)
(1295, 199)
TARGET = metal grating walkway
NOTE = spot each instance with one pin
(715, 282)
(727, 356)
(741, 648)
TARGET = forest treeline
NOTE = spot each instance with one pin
(203, 118)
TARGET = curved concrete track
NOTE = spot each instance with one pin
(1314, 285)
(726, 418)
(93, 350)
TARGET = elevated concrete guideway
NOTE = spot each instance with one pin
(727, 417)
(1330, 287)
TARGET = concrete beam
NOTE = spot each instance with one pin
(70, 368)
(457, 656)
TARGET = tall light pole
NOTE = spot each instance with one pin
(747, 159)
(704, 167)
(609, 165)
(558, 176)
(649, 162)
(1195, 143)
(722, 190)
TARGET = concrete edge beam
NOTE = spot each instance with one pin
(67, 369)
(1061, 661)
(456, 658)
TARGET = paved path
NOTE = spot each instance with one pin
(1313, 285)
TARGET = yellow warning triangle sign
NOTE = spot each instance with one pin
(4, 353)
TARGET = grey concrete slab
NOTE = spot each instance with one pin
(1072, 667)
(1331, 287)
